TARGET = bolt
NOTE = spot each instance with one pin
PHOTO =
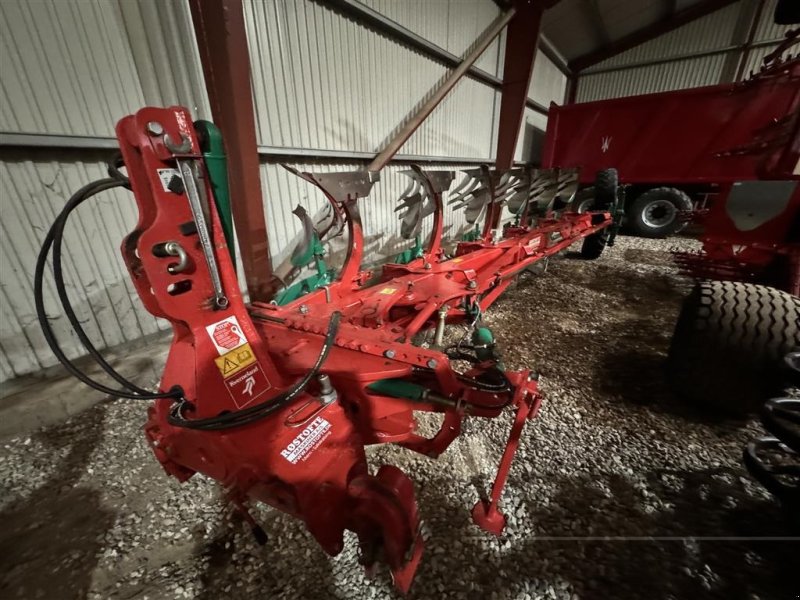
(389, 353)
(155, 128)
(428, 265)
(432, 363)
(472, 284)
(303, 309)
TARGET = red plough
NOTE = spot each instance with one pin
(277, 403)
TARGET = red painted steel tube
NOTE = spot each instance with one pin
(521, 42)
(222, 42)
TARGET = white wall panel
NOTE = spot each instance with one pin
(767, 29)
(548, 83)
(710, 32)
(66, 68)
(694, 72)
(76, 68)
(32, 193)
(713, 32)
(451, 24)
(323, 81)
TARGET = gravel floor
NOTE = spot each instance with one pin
(618, 490)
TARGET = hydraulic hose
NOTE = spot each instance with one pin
(53, 240)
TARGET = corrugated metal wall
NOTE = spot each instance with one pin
(667, 62)
(321, 82)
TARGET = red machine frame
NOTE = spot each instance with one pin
(306, 457)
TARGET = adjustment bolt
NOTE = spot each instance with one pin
(472, 284)
(432, 363)
(389, 353)
(327, 393)
(155, 128)
(303, 309)
(428, 266)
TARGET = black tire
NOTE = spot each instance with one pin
(606, 183)
(593, 245)
(654, 214)
(728, 344)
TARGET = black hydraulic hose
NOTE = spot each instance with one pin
(114, 166)
(58, 236)
(84, 193)
(264, 409)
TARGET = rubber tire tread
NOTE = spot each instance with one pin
(637, 225)
(728, 344)
(593, 245)
(606, 183)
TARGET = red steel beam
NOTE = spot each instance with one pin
(522, 38)
(222, 41)
(683, 17)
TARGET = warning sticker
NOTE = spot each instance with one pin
(457, 259)
(166, 175)
(388, 291)
(247, 385)
(534, 243)
(226, 335)
(307, 440)
(234, 361)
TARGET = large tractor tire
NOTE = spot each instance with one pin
(729, 342)
(593, 245)
(606, 183)
(600, 196)
(656, 213)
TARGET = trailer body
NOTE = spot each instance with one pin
(711, 135)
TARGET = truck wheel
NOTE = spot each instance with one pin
(593, 245)
(728, 344)
(606, 183)
(655, 213)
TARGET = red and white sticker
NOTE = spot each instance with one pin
(307, 441)
(247, 385)
(226, 335)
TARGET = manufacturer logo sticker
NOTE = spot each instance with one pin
(307, 441)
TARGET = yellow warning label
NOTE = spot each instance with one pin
(457, 260)
(235, 360)
(388, 291)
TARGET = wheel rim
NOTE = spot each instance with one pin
(659, 213)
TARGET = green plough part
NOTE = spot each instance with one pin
(315, 252)
(397, 388)
(406, 256)
(213, 151)
(471, 236)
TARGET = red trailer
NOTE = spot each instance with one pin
(675, 150)
(737, 146)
